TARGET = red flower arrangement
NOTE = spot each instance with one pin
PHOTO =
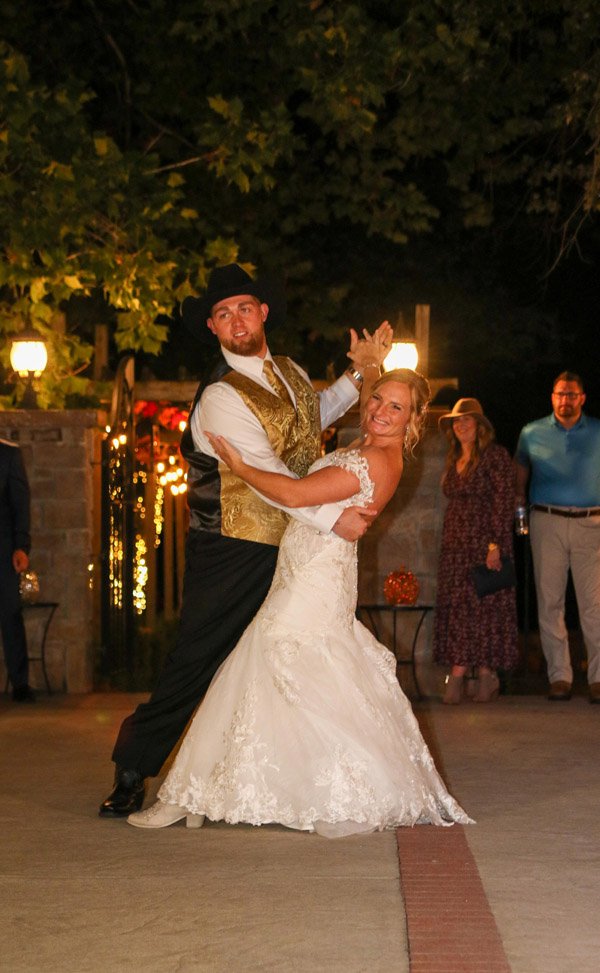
(401, 587)
(166, 420)
(162, 413)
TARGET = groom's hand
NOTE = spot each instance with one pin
(354, 522)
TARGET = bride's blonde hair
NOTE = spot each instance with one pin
(420, 394)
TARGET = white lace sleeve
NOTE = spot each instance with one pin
(354, 461)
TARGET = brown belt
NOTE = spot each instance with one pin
(587, 512)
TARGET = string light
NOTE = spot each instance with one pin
(140, 575)
(116, 493)
(158, 514)
(166, 473)
(140, 477)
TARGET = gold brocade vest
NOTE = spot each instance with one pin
(294, 434)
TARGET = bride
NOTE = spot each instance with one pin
(305, 723)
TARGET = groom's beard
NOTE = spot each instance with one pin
(247, 346)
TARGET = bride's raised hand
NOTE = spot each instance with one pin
(226, 452)
(382, 340)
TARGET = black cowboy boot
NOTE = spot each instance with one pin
(127, 796)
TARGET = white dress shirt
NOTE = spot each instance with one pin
(222, 411)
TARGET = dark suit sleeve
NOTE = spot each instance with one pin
(18, 497)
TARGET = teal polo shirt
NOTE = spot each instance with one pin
(564, 463)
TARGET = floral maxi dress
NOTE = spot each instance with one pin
(472, 631)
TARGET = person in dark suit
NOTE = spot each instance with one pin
(15, 544)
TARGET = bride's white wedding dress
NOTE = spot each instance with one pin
(305, 724)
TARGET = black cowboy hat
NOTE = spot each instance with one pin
(227, 282)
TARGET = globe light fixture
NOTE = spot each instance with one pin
(403, 354)
(28, 357)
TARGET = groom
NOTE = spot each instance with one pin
(268, 409)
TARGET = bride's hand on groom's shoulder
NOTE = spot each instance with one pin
(225, 451)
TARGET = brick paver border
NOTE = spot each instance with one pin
(451, 928)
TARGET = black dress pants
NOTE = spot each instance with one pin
(225, 582)
(11, 622)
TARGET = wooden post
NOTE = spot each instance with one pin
(100, 351)
(422, 336)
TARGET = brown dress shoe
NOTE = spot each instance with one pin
(595, 692)
(559, 691)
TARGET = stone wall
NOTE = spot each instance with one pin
(61, 450)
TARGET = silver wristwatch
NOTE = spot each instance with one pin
(356, 375)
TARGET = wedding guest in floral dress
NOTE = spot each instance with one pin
(478, 525)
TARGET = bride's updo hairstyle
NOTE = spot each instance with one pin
(420, 394)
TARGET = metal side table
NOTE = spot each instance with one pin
(372, 610)
(50, 607)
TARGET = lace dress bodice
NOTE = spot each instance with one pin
(321, 568)
(353, 461)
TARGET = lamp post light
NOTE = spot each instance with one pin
(403, 354)
(29, 357)
(408, 354)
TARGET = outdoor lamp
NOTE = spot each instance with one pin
(404, 354)
(28, 357)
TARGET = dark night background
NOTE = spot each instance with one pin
(476, 110)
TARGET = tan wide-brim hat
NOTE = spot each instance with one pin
(464, 407)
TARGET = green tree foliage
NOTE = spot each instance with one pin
(154, 140)
(78, 215)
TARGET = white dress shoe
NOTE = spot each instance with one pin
(161, 815)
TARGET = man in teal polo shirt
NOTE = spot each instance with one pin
(562, 454)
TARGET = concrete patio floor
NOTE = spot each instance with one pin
(82, 894)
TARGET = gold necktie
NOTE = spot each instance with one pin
(275, 382)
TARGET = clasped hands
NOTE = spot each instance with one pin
(371, 349)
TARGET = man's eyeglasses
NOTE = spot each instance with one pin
(567, 395)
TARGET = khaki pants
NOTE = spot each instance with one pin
(557, 544)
